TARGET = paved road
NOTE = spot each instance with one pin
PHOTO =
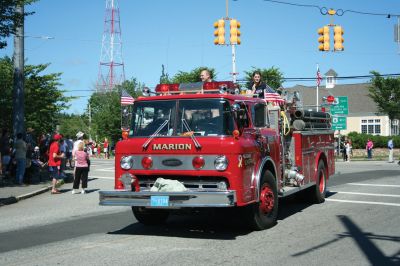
(357, 225)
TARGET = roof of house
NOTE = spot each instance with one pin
(331, 73)
(359, 101)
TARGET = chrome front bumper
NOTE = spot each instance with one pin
(175, 199)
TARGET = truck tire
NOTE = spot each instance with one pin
(150, 216)
(319, 190)
(263, 214)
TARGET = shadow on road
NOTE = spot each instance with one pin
(297, 203)
(364, 242)
(221, 224)
(225, 224)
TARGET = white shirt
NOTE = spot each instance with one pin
(76, 143)
(348, 148)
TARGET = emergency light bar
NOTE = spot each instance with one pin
(215, 86)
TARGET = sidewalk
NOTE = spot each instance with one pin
(11, 193)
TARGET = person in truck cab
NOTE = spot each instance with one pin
(257, 86)
(159, 118)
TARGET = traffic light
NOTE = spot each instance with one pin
(324, 38)
(235, 32)
(338, 38)
(219, 32)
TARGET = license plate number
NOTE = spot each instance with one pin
(159, 201)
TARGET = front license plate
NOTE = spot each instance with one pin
(159, 201)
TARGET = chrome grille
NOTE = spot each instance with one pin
(200, 184)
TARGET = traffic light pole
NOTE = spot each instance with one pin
(233, 63)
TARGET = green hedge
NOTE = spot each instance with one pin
(359, 141)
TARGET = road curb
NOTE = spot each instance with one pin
(33, 193)
(15, 199)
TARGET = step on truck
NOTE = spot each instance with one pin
(204, 145)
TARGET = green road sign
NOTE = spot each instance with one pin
(339, 122)
(340, 106)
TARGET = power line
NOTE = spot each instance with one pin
(349, 77)
(338, 78)
(287, 79)
(339, 12)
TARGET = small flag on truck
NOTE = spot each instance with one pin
(126, 98)
(270, 95)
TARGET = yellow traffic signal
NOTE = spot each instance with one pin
(235, 32)
(324, 38)
(338, 38)
(219, 32)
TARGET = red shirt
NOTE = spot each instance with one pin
(105, 144)
(54, 148)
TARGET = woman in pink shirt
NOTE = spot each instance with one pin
(369, 147)
(81, 169)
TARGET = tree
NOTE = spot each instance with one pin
(70, 124)
(43, 98)
(192, 76)
(6, 91)
(9, 19)
(272, 76)
(106, 110)
(386, 94)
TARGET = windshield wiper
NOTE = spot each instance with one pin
(196, 143)
(144, 146)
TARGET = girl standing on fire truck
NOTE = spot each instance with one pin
(257, 86)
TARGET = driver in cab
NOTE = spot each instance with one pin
(159, 118)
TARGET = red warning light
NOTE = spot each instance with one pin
(330, 99)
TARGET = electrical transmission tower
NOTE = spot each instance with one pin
(111, 68)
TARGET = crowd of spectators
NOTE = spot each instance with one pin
(24, 157)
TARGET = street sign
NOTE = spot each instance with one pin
(339, 122)
(340, 106)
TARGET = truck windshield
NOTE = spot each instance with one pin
(204, 117)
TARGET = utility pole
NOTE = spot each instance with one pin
(18, 58)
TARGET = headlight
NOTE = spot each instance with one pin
(126, 162)
(221, 163)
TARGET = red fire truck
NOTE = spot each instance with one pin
(204, 145)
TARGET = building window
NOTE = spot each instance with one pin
(395, 127)
(371, 126)
(364, 129)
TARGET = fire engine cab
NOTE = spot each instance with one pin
(203, 145)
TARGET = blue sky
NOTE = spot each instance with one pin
(179, 34)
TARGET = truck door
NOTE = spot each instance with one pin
(249, 155)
